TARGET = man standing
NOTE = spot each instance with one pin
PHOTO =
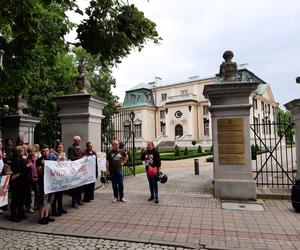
(75, 153)
(44, 200)
(115, 159)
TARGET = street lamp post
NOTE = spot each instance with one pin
(132, 116)
(2, 52)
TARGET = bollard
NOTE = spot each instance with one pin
(296, 195)
(196, 166)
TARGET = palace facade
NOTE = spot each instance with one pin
(177, 113)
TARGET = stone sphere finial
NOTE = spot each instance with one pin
(228, 69)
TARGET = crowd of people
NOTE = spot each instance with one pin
(25, 163)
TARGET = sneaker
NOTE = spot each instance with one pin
(30, 210)
(63, 211)
(43, 221)
(151, 199)
(1, 211)
(49, 219)
(74, 206)
(80, 203)
(15, 219)
(114, 200)
(156, 201)
(122, 200)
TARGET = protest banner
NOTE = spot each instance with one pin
(64, 175)
(4, 190)
(101, 158)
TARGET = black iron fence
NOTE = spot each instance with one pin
(274, 153)
(120, 127)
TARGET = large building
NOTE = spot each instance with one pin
(178, 113)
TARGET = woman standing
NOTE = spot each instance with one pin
(88, 189)
(19, 185)
(57, 204)
(152, 164)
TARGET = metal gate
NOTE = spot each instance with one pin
(120, 127)
(274, 153)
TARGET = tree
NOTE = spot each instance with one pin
(37, 60)
(284, 122)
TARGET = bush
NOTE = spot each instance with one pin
(180, 157)
(186, 152)
(199, 149)
(212, 148)
(177, 151)
(210, 159)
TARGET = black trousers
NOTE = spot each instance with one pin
(88, 192)
(57, 203)
(76, 195)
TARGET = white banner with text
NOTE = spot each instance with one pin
(64, 175)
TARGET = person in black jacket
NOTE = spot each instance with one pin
(75, 153)
(152, 163)
(19, 185)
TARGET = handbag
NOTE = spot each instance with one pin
(152, 171)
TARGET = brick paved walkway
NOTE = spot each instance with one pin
(187, 215)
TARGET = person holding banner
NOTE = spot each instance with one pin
(57, 204)
(152, 163)
(75, 153)
(115, 159)
(88, 189)
(19, 185)
(44, 200)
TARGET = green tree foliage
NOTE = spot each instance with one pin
(38, 61)
(186, 152)
(199, 149)
(113, 29)
(177, 151)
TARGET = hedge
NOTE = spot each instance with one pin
(180, 157)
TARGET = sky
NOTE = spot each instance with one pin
(265, 34)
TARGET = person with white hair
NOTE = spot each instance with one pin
(75, 153)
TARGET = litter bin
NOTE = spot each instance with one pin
(196, 166)
(296, 195)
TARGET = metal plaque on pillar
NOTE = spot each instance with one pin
(231, 141)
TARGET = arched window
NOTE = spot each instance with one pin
(178, 130)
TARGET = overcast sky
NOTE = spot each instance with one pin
(265, 34)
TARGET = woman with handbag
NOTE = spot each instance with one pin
(152, 161)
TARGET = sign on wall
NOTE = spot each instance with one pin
(231, 141)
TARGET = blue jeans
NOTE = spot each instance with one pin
(153, 186)
(117, 184)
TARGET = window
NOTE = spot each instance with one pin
(273, 111)
(255, 103)
(269, 108)
(256, 126)
(163, 128)
(206, 126)
(184, 92)
(205, 110)
(162, 114)
(262, 106)
(127, 130)
(138, 130)
(163, 97)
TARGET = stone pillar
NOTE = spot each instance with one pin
(15, 125)
(81, 114)
(230, 112)
(294, 108)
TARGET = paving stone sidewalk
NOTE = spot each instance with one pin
(187, 216)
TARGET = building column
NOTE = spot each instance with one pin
(230, 112)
